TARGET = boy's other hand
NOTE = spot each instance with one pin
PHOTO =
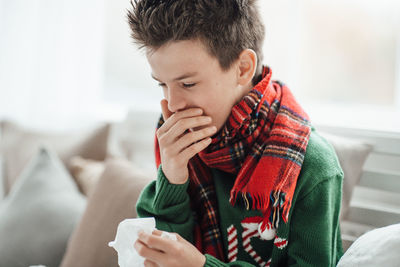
(165, 252)
(183, 134)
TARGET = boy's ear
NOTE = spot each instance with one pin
(247, 65)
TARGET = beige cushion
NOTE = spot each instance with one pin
(86, 173)
(352, 155)
(19, 145)
(113, 200)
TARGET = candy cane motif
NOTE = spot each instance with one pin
(232, 244)
(250, 230)
(280, 243)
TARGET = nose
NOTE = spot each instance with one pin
(176, 100)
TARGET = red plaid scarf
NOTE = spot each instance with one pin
(263, 143)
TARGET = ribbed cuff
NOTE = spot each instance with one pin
(213, 262)
(168, 194)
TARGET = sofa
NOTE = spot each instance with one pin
(62, 195)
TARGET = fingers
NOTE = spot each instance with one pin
(195, 136)
(185, 124)
(148, 252)
(179, 130)
(183, 131)
(156, 242)
(157, 232)
(192, 150)
(165, 111)
(170, 119)
(178, 236)
(163, 252)
(181, 149)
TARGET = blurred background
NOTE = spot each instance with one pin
(64, 63)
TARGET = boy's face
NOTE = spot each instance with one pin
(190, 77)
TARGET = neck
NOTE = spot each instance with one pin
(244, 91)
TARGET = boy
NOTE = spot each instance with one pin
(243, 179)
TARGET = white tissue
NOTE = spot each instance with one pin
(127, 234)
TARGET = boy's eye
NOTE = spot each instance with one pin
(188, 85)
(161, 84)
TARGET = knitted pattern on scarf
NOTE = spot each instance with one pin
(263, 143)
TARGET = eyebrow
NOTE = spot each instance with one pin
(184, 76)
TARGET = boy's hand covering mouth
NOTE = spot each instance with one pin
(165, 111)
(183, 134)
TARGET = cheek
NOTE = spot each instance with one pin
(217, 100)
(219, 110)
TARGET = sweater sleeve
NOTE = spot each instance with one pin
(214, 262)
(315, 237)
(169, 204)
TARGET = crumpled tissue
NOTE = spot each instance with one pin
(127, 234)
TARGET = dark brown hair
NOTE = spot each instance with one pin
(226, 27)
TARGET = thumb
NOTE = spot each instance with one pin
(164, 108)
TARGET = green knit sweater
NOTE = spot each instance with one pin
(311, 236)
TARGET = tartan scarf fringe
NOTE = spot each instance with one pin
(280, 206)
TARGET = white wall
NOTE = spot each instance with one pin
(127, 77)
(341, 59)
(51, 60)
(66, 62)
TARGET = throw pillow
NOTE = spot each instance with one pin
(86, 173)
(113, 200)
(2, 193)
(2, 190)
(352, 155)
(379, 247)
(39, 214)
(19, 145)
